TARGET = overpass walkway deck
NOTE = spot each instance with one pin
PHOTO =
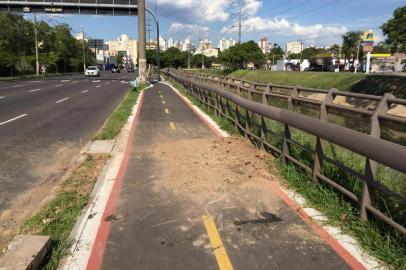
(188, 199)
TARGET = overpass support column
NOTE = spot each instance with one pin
(142, 61)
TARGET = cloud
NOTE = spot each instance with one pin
(192, 10)
(251, 7)
(283, 27)
(188, 30)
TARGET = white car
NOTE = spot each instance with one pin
(92, 71)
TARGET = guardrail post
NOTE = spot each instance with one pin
(287, 132)
(319, 142)
(248, 115)
(264, 128)
(371, 166)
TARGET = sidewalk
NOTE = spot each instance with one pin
(188, 199)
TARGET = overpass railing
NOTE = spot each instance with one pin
(319, 152)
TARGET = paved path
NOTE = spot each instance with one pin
(154, 227)
(43, 125)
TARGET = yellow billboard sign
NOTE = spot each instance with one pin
(368, 36)
(380, 55)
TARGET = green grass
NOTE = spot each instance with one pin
(322, 80)
(58, 217)
(118, 118)
(389, 247)
(379, 240)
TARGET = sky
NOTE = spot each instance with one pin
(319, 22)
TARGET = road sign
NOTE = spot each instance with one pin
(99, 7)
(368, 37)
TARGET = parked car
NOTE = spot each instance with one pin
(92, 71)
(115, 69)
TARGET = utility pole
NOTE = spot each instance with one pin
(359, 45)
(83, 49)
(36, 44)
(239, 5)
(188, 55)
(203, 54)
(142, 61)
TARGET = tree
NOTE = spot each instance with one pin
(350, 44)
(381, 47)
(294, 56)
(240, 55)
(275, 54)
(151, 57)
(120, 58)
(335, 50)
(57, 48)
(172, 57)
(395, 30)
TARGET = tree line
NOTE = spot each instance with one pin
(57, 48)
(240, 55)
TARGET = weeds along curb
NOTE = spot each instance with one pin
(330, 212)
(84, 232)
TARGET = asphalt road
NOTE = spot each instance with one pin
(43, 125)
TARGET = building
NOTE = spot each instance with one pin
(225, 44)
(294, 47)
(264, 45)
(124, 43)
(206, 48)
(81, 36)
(170, 43)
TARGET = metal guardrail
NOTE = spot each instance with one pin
(218, 94)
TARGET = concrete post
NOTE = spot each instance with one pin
(142, 60)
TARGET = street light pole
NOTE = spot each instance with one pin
(36, 44)
(158, 49)
(142, 61)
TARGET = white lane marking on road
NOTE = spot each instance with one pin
(123, 82)
(18, 85)
(62, 100)
(58, 85)
(75, 81)
(98, 86)
(37, 81)
(84, 91)
(65, 81)
(96, 81)
(2, 97)
(34, 90)
(12, 119)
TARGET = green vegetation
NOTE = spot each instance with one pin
(322, 80)
(378, 239)
(58, 217)
(118, 118)
(395, 30)
(240, 55)
(58, 49)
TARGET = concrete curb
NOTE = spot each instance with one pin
(84, 233)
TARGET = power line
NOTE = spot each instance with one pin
(290, 9)
(312, 10)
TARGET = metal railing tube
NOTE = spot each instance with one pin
(385, 152)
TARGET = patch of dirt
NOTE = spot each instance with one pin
(201, 166)
(47, 168)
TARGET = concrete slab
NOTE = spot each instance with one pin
(101, 147)
(25, 252)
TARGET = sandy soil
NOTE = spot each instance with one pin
(225, 175)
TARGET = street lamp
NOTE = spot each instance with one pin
(158, 50)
